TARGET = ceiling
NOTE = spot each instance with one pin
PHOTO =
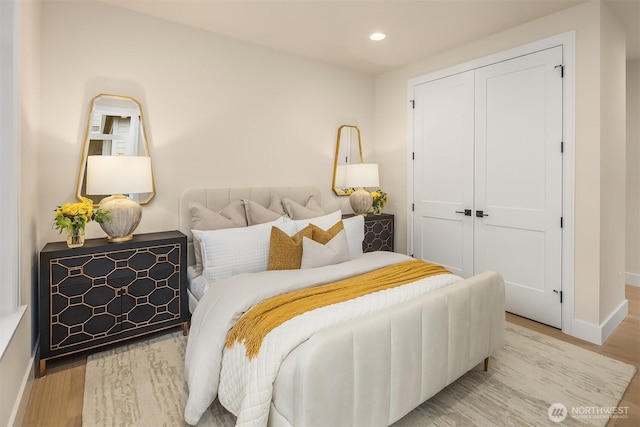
(336, 31)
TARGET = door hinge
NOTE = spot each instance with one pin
(562, 146)
(413, 155)
(561, 70)
(561, 222)
(413, 103)
(413, 207)
(559, 293)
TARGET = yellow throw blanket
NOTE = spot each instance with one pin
(254, 325)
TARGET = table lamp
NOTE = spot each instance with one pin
(119, 175)
(360, 175)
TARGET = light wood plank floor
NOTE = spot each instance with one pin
(56, 399)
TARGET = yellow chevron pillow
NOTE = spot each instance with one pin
(323, 236)
(285, 252)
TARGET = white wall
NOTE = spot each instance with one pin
(633, 173)
(219, 112)
(16, 362)
(391, 120)
(612, 162)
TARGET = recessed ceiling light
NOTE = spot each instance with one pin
(376, 37)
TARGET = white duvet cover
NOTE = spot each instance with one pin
(245, 387)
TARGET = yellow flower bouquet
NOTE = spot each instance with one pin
(73, 218)
(379, 200)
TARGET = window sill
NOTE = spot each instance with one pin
(8, 325)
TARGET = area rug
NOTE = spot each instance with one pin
(533, 380)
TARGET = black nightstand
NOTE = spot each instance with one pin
(378, 232)
(107, 292)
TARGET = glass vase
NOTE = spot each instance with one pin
(377, 209)
(75, 238)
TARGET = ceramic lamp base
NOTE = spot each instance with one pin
(125, 217)
(361, 201)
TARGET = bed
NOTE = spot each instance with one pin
(366, 361)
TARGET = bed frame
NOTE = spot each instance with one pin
(374, 370)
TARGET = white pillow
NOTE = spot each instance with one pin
(316, 254)
(325, 221)
(354, 227)
(202, 218)
(232, 251)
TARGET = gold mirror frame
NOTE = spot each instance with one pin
(114, 108)
(341, 158)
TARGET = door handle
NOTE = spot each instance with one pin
(466, 212)
(481, 214)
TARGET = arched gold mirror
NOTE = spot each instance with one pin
(348, 151)
(115, 128)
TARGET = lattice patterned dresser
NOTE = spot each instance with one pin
(107, 292)
(378, 232)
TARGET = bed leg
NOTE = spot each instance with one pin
(185, 329)
(486, 364)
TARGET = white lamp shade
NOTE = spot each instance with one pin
(361, 175)
(119, 175)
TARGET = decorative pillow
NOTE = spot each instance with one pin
(277, 206)
(233, 251)
(315, 254)
(203, 218)
(324, 221)
(354, 227)
(285, 252)
(258, 214)
(311, 208)
(324, 236)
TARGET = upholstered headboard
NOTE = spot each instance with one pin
(218, 198)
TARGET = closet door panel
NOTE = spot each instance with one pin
(443, 172)
(518, 180)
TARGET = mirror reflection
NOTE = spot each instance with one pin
(348, 151)
(115, 128)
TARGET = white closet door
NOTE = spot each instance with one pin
(518, 181)
(443, 172)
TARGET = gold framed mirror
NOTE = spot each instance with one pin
(115, 128)
(348, 151)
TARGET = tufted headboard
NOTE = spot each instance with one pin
(217, 199)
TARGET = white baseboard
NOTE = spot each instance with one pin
(613, 321)
(586, 331)
(632, 279)
(20, 407)
(598, 334)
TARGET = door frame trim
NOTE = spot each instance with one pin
(567, 41)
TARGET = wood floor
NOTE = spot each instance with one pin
(56, 399)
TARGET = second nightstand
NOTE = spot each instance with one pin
(378, 232)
